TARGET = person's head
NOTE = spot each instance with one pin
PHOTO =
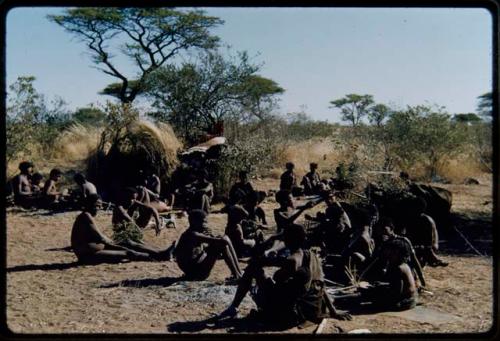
(128, 196)
(92, 203)
(254, 198)
(364, 218)
(404, 176)
(396, 252)
(294, 236)
(329, 198)
(313, 166)
(36, 178)
(197, 219)
(416, 206)
(26, 167)
(290, 166)
(55, 174)
(243, 176)
(383, 229)
(284, 198)
(79, 178)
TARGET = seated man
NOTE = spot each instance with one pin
(311, 181)
(288, 180)
(200, 193)
(242, 239)
(240, 190)
(52, 197)
(255, 212)
(86, 187)
(130, 209)
(361, 245)
(22, 187)
(286, 214)
(36, 183)
(334, 228)
(421, 230)
(198, 249)
(91, 246)
(397, 291)
(295, 293)
(383, 233)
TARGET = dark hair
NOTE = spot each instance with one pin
(385, 221)
(242, 173)
(295, 234)
(90, 200)
(55, 172)
(364, 216)
(37, 176)
(196, 216)
(282, 195)
(23, 166)
(313, 165)
(290, 165)
(79, 177)
(400, 247)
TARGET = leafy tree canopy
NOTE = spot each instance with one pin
(353, 107)
(150, 36)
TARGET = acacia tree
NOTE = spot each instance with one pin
(195, 97)
(150, 36)
(353, 107)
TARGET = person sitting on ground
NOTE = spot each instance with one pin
(361, 245)
(383, 233)
(91, 246)
(288, 180)
(286, 214)
(86, 187)
(421, 230)
(242, 242)
(294, 294)
(36, 183)
(52, 197)
(255, 212)
(397, 290)
(130, 209)
(241, 189)
(200, 192)
(311, 181)
(335, 226)
(22, 187)
(198, 249)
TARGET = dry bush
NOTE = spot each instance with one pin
(76, 144)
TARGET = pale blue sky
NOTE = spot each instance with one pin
(400, 56)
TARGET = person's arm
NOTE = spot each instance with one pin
(338, 314)
(261, 215)
(154, 213)
(50, 188)
(415, 263)
(209, 239)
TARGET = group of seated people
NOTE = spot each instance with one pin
(296, 292)
(28, 191)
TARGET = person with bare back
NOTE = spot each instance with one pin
(91, 246)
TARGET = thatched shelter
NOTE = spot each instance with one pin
(138, 146)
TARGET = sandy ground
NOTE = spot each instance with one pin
(47, 292)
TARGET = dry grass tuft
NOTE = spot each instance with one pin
(75, 144)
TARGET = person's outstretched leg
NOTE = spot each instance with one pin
(231, 258)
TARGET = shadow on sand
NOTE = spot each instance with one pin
(232, 325)
(147, 282)
(45, 267)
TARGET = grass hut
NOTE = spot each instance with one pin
(138, 146)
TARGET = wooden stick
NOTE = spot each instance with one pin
(468, 242)
(321, 326)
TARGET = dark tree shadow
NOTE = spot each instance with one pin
(232, 325)
(147, 282)
(45, 267)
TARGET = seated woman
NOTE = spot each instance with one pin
(198, 249)
(242, 242)
(91, 246)
(295, 293)
(131, 209)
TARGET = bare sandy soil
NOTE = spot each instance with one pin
(48, 292)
